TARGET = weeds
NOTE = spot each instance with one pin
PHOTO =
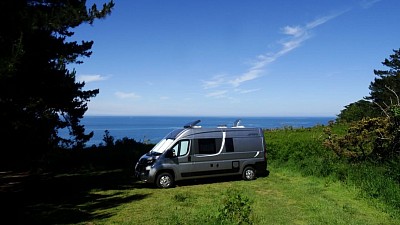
(236, 209)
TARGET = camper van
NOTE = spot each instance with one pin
(195, 152)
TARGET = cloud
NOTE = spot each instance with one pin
(247, 91)
(91, 78)
(248, 76)
(164, 98)
(214, 82)
(322, 20)
(295, 36)
(217, 94)
(125, 95)
(368, 3)
(293, 31)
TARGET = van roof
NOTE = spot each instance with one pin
(193, 124)
(193, 128)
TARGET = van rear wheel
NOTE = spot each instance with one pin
(249, 173)
(165, 180)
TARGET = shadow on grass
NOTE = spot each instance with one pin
(210, 180)
(62, 199)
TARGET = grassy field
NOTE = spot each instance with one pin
(112, 197)
(281, 198)
(306, 185)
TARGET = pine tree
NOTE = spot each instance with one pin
(38, 94)
(381, 89)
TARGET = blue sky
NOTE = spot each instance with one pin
(236, 57)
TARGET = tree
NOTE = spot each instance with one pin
(376, 137)
(386, 81)
(357, 111)
(38, 94)
(383, 92)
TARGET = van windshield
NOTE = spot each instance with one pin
(161, 146)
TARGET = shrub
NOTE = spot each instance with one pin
(236, 209)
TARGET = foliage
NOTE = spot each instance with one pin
(38, 94)
(370, 138)
(236, 208)
(112, 197)
(121, 154)
(104, 191)
(367, 138)
(383, 92)
(374, 138)
(300, 149)
(357, 111)
(387, 80)
(108, 139)
(307, 151)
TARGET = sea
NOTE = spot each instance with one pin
(151, 129)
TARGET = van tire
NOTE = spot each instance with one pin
(165, 180)
(249, 173)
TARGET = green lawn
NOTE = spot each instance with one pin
(281, 198)
(306, 185)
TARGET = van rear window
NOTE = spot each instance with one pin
(229, 145)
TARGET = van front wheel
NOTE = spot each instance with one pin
(249, 173)
(165, 180)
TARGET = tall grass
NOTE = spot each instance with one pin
(302, 150)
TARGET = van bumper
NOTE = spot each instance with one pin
(261, 169)
(145, 173)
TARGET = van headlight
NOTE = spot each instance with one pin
(151, 161)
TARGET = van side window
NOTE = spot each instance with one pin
(184, 147)
(209, 145)
(181, 148)
(229, 145)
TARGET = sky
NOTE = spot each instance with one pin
(236, 57)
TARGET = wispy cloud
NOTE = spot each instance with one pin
(368, 3)
(251, 74)
(294, 38)
(125, 95)
(214, 82)
(91, 78)
(217, 94)
(247, 91)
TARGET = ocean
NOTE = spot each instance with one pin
(151, 129)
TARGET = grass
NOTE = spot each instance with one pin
(307, 184)
(112, 197)
(302, 150)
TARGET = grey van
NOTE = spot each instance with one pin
(195, 152)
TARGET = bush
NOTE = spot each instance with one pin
(236, 209)
(303, 150)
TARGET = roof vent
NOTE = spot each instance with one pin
(236, 124)
(192, 124)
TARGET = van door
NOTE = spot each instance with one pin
(207, 157)
(182, 151)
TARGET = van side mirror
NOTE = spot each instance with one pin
(169, 154)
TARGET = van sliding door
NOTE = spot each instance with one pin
(209, 157)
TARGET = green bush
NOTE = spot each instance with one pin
(236, 209)
(303, 150)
